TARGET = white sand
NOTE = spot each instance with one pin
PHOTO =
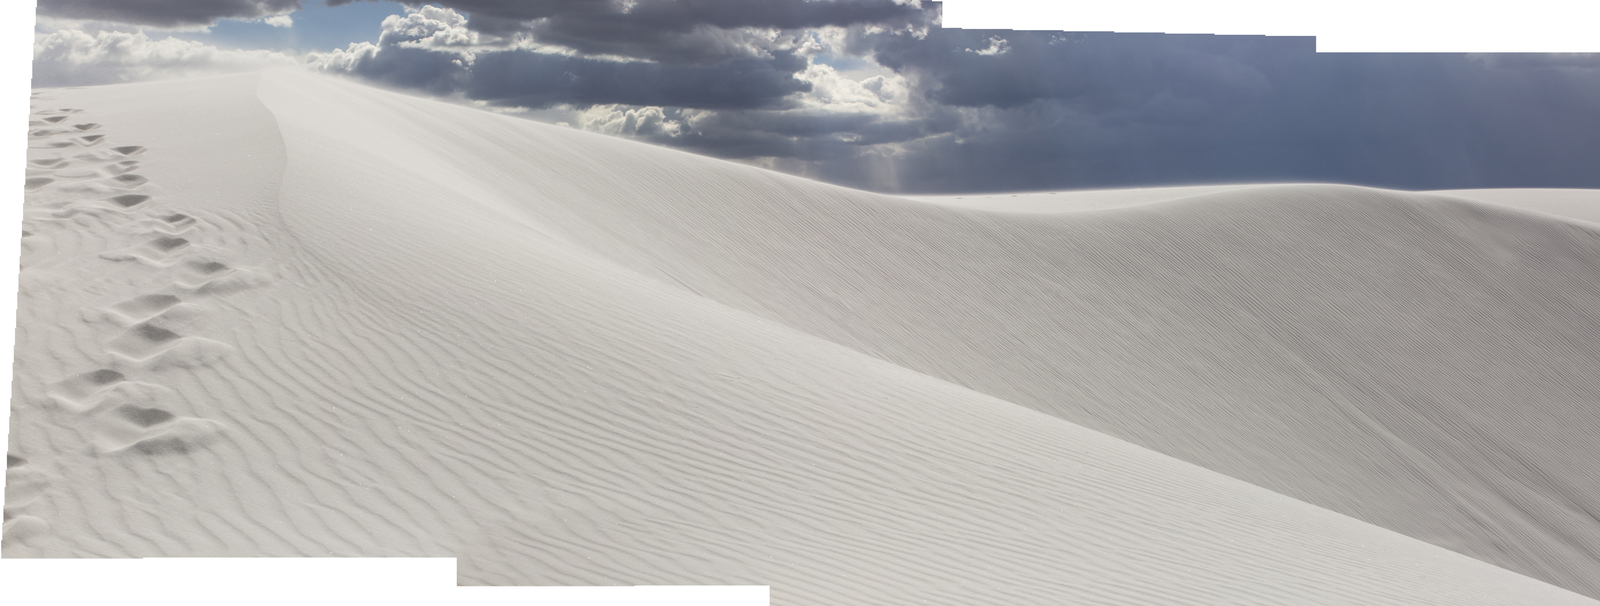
(1077, 200)
(1582, 204)
(390, 326)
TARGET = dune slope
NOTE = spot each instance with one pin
(349, 322)
(1581, 204)
(1423, 362)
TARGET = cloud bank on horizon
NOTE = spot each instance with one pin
(874, 94)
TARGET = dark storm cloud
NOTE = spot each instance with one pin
(431, 48)
(525, 78)
(695, 30)
(595, 16)
(992, 110)
(413, 68)
(682, 15)
(1095, 71)
(677, 31)
(164, 13)
(1102, 110)
(530, 79)
(969, 110)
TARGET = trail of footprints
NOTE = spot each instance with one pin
(77, 181)
(24, 485)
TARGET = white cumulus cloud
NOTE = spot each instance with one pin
(643, 122)
(73, 58)
(439, 29)
(342, 60)
(997, 46)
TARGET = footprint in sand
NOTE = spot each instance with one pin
(128, 150)
(161, 251)
(150, 430)
(99, 156)
(128, 201)
(85, 391)
(159, 310)
(24, 485)
(143, 341)
(176, 222)
(55, 119)
(89, 126)
(150, 345)
(144, 307)
(171, 224)
(132, 393)
(126, 425)
(119, 168)
(199, 271)
(127, 181)
(59, 215)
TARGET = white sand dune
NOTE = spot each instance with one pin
(1076, 201)
(1581, 204)
(350, 322)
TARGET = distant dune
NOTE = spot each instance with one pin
(281, 314)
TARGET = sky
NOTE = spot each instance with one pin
(873, 94)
